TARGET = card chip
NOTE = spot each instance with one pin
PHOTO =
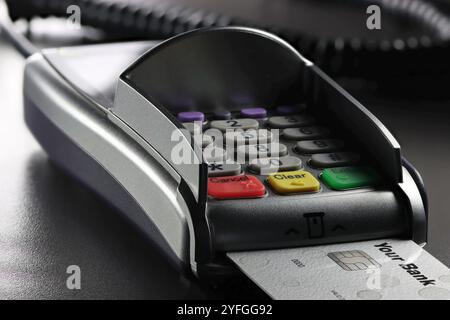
(353, 260)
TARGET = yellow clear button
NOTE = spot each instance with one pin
(293, 182)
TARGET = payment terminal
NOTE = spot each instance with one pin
(222, 140)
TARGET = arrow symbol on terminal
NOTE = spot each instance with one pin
(291, 231)
(338, 227)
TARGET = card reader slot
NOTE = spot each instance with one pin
(277, 222)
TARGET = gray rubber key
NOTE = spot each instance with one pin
(266, 166)
(219, 169)
(282, 122)
(234, 124)
(254, 151)
(206, 140)
(203, 140)
(336, 159)
(240, 137)
(193, 126)
(318, 146)
(305, 133)
(214, 154)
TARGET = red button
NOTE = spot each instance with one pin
(233, 187)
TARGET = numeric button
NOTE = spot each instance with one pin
(254, 151)
(267, 166)
(336, 159)
(234, 124)
(206, 140)
(318, 146)
(214, 154)
(241, 137)
(195, 129)
(282, 122)
(305, 133)
(219, 169)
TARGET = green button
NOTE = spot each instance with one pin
(350, 177)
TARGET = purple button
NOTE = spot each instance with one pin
(222, 115)
(191, 116)
(289, 109)
(254, 113)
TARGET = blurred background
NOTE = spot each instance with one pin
(401, 72)
(406, 56)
